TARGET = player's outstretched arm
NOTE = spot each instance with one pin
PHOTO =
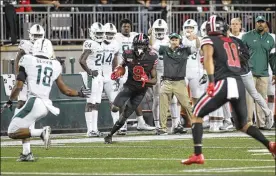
(70, 92)
(18, 57)
(208, 51)
(82, 61)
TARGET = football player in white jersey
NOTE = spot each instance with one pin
(110, 60)
(159, 37)
(39, 72)
(25, 47)
(194, 69)
(91, 61)
(236, 28)
(125, 38)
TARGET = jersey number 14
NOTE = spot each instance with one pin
(46, 77)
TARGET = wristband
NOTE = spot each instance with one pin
(211, 78)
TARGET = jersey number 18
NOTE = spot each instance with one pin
(47, 74)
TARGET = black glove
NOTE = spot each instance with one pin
(85, 93)
(117, 84)
(8, 104)
(94, 73)
(203, 79)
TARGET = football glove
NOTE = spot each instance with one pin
(85, 93)
(8, 104)
(116, 74)
(144, 79)
(211, 89)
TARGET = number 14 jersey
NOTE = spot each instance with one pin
(226, 57)
(41, 73)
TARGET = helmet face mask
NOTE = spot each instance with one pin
(140, 44)
(96, 32)
(159, 29)
(36, 32)
(109, 32)
(190, 26)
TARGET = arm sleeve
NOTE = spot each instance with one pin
(205, 41)
(22, 74)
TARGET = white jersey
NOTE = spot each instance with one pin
(239, 36)
(26, 45)
(193, 61)
(156, 45)
(109, 52)
(95, 59)
(41, 73)
(125, 42)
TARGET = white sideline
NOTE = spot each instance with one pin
(135, 138)
(158, 159)
(233, 169)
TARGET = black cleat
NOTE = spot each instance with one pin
(108, 139)
(179, 129)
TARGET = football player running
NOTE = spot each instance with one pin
(159, 37)
(39, 72)
(141, 63)
(91, 61)
(125, 38)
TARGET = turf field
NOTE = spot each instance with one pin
(140, 154)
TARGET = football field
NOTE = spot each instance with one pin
(140, 154)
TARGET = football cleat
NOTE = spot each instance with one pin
(272, 149)
(45, 136)
(26, 158)
(108, 139)
(179, 129)
(194, 159)
(94, 134)
(226, 125)
(145, 127)
(160, 131)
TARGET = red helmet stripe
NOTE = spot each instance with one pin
(213, 22)
(141, 37)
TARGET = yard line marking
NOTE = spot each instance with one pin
(125, 146)
(261, 154)
(137, 138)
(60, 173)
(231, 169)
(258, 151)
(163, 159)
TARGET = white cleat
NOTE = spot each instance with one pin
(94, 134)
(46, 136)
(145, 127)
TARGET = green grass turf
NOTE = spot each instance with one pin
(143, 157)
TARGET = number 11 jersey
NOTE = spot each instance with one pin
(41, 73)
(226, 56)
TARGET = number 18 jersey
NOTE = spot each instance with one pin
(226, 57)
(94, 60)
(41, 73)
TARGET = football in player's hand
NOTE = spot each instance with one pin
(121, 70)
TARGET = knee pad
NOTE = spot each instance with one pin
(115, 109)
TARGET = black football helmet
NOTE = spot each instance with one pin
(216, 26)
(140, 44)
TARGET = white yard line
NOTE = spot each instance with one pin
(57, 173)
(260, 154)
(158, 159)
(134, 138)
(234, 169)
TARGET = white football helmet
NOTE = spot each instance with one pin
(96, 32)
(36, 32)
(109, 32)
(159, 28)
(188, 24)
(43, 47)
(203, 29)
